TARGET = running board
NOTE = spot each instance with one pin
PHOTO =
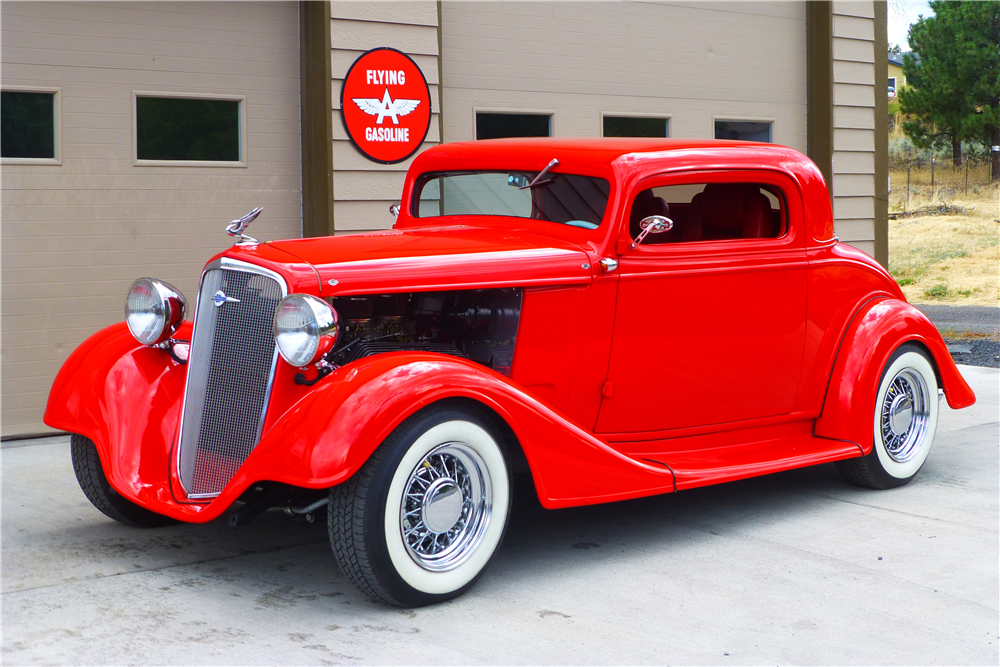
(694, 467)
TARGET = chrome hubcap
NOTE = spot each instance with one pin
(900, 414)
(904, 415)
(442, 505)
(446, 507)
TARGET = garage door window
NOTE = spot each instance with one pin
(189, 130)
(744, 130)
(503, 125)
(635, 126)
(29, 126)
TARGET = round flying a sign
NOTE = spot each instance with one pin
(386, 105)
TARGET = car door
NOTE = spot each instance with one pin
(709, 326)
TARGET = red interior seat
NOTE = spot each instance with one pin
(757, 217)
(728, 211)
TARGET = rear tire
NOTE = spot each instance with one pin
(420, 521)
(906, 414)
(95, 485)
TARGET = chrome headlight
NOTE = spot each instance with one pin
(154, 310)
(305, 328)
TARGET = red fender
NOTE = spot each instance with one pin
(325, 437)
(879, 327)
(127, 399)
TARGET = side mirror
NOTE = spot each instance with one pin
(654, 224)
(394, 209)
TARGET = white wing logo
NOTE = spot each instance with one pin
(385, 107)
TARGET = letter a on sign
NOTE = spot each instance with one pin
(386, 105)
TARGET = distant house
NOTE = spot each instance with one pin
(896, 77)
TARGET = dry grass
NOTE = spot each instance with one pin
(948, 259)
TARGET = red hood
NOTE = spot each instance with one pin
(439, 259)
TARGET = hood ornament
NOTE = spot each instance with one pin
(236, 227)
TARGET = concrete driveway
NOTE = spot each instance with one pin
(791, 568)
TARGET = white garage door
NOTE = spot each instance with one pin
(693, 64)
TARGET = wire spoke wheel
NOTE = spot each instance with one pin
(445, 508)
(905, 418)
(420, 521)
(904, 415)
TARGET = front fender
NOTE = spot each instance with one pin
(879, 327)
(126, 398)
(329, 434)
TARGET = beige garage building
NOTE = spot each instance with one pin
(97, 198)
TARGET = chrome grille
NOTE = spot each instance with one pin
(230, 372)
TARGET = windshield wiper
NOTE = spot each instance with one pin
(538, 179)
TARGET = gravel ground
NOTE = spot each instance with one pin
(975, 352)
(971, 332)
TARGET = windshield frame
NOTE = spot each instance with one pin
(421, 180)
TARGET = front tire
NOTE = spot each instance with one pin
(421, 520)
(906, 414)
(95, 485)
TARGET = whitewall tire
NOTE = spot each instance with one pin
(421, 520)
(906, 414)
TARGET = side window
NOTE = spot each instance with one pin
(711, 212)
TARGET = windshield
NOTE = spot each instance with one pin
(568, 199)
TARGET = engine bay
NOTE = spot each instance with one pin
(480, 325)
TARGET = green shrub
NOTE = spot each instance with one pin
(939, 291)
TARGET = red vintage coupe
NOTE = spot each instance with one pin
(612, 318)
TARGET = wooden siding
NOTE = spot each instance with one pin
(76, 235)
(854, 90)
(362, 189)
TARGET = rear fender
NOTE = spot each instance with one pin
(329, 434)
(876, 331)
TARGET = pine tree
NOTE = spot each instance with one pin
(952, 77)
(981, 65)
